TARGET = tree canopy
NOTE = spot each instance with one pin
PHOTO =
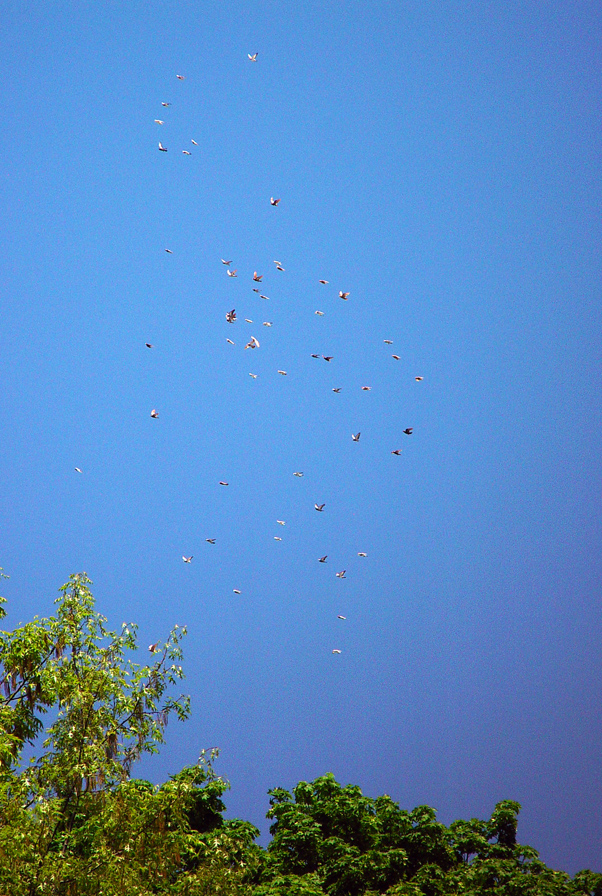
(73, 819)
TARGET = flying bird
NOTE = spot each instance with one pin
(366, 388)
(397, 451)
(267, 298)
(408, 431)
(232, 273)
(154, 413)
(210, 540)
(252, 57)
(319, 506)
(336, 390)
(283, 372)
(356, 436)
(315, 356)
(223, 483)
(298, 474)
(388, 341)
(257, 277)
(324, 282)
(77, 470)
(231, 316)
(323, 559)
(341, 574)
(253, 343)
(230, 341)
(149, 344)
(180, 77)
(186, 153)
(169, 252)
(279, 267)
(226, 262)
(277, 538)
(418, 379)
(254, 375)
(248, 320)
(256, 290)
(343, 295)
(267, 323)
(166, 104)
(158, 121)
(396, 357)
(336, 651)
(274, 201)
(153, 647)
(328, 357)
(236, 591)
(320, 313)
(187, 559)
(162, 148)
(361, 554)
(341, 617)
(194, 143)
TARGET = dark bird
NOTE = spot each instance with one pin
(149, 344)
(231, 316)
(341, 574)
(315, 356)
(336, 390)
(408, 431)
(418, 379)
(274, 201)
(328, 357)
(257, 277)
(356, 436)
(319, 506)
(180, 77)
(398, 451)
(323, 559)
(169, 252)
(154, 413)
(223, 483)
(166, 104)
(341, 617)
(210, 540)
(396, 357)
(324, 282)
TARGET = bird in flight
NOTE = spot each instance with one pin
(153, 647)
(274, 201)
(267, 298)
(322, 559)
(149, 344)
(328, 357)
(418, 379)
(77, 470)
(230, 341)
(323, 282)
(396, 357)
(180, 77)
(277, 538)
(248, 320)
(162, 148)
(343, 295)
(169, 252)
(236, 591)
(336, 390)
(232, 273)
(361, 554)
(166, 104)
(231, 316)
(366, 388)
(154, 413)
(257, 277)
(158, 121)
(341, 574)
(336, 651)
(320, 313)
(186, 153)
(223, 483)
(319, 506)
(388, 341)
(254, 375)
(279, 267)
(315, 356)
(341, 617)
(397, 451)
(356, 436)
(408, 431)
(210, 540)
(298, 473)
(187, 559)
(252, 57)
(283, 372)
(281, 522)
(194, 143)
(267, 323)
(253, 343)
(226, 262)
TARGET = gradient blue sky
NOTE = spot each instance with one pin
(441, 162)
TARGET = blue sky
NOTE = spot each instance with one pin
(439, 161)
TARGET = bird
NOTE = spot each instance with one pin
(276, 261)
(418, 379)
(232, 273)
(255, 290)
(277, 538)
(257, 277)
(279, 267)
(210, 540)
(226, 262)
(366, 388)
(162, 148)
(166, 104)
(328, 357)
(194, 143)
(158, 121)
(336, 390)
(153, 647)
(169, 252)
(324, 282)
(356, 436)
(274, 201)
(187, 559)
(396, 357)
(253, 343)
(283, 372)
(267, 298)
(248, 320)
(388, 341)
(231, 316)
(315, 356)
(230, 341)
(154, 413)
(149, 344)
(77, 470)
(320, 506)
(343, 295)
(320, 313)
(408, 431)
(341, 617)
(336, 651)
(298, 473)
(267, 323)
(322, 559)
(341, 574)
(281, 522)
(180, 77)
(252, 57)
(254, 375)
(361, 554)
(397, 451)
(186, 153)
(223, 483)
(236, 591)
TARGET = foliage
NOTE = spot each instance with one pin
(73, 821)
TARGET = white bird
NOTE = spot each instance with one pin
(267, 298)
(248, 320)
(252, 57)
(277, 262)
(180, 77)
(356, 436)
(223, 483)
(232, 273)
(336, 390)
(166, 104)
(162, 148)
(169, 252)
(254, 375)
(194, 143)
(253, 343)
(298, 474)
(255, 290)
(226, 262)
(362, 554)
(154, 413)
(341, 617)
(418, 379)
(341, 574)
(158, 121)
(187, 559)
(343, 295)
(77, 470)
(236, 591)
(277, 538)
(281, 522)
(283, 372)
(279, 267)
(186, 153)
(388, 341)
(320, 506)
(230, 341)
(267, 323)
(320, 313)
(336, 651)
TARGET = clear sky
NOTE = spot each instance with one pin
(441, 163)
